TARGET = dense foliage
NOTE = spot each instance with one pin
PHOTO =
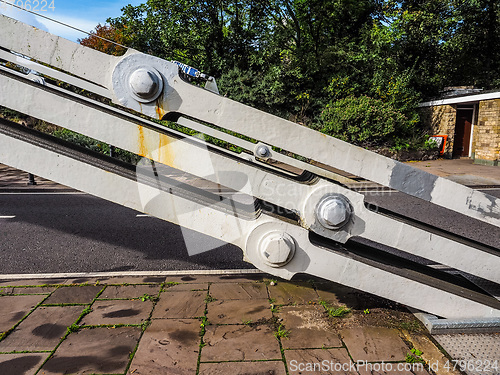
(353, 68)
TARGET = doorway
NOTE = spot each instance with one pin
(463, 131)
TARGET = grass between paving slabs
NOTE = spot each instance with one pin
(204, 323)
(9, 331)
(279, 330)
(154, 299)
(335, 312)
(75, 327)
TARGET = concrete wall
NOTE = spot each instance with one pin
(487, 133)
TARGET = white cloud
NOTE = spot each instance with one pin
(67, 32)
(22, 16)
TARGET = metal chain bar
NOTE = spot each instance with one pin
(298, 139)
(404, 286)
(84, 62)
(300, 198)
(55, 74)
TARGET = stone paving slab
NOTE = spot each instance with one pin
(129, 291)
(42, 329)
(431, 354)
(95, 350)
(239, 329)
(243, 368)
(215, 278)
(286, 293)
(238, 311)
(320, 361)
(121, 280)
(84, 295)
(374, 344)
(239, 343)
(32, 282)
(169, 346)
(180, 305)
(392, 369)
(337, 294)
(25, 363)
(28, 290)
(186, 287)
(14, 308)
(308, 328)
(118, 312)
(226, 291)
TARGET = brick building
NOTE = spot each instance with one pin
(471, 122)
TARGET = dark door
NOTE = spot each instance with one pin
(463, 127)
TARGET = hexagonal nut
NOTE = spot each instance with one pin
(333, 211)
(145, 84)
(277, 248)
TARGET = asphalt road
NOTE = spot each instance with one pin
(66, 232)
(73, 232)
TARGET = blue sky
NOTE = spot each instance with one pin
(84, 15)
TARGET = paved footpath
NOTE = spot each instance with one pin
(234, 325)
(227, 325)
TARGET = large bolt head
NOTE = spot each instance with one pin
(262, 151)
(277, 248)
(333, 211)
(145, 84)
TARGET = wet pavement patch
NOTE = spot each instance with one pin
(106, 350)
(118, 312)
(41, 330)
(84, 294)
(21, 364)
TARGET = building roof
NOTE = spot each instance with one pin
(462, 99)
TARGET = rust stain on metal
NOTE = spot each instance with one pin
(143, 149)
(159, 108)
(165, 153)
(155, 146)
